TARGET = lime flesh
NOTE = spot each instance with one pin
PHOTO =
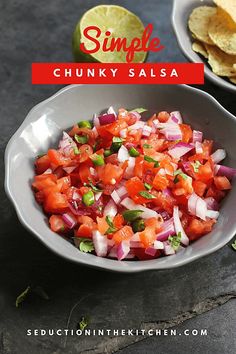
(115, 19)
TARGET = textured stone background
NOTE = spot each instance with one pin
(198, 295)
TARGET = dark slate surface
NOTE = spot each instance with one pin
(196, 296)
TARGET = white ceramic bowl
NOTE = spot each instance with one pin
(180, 14)
(43, 126)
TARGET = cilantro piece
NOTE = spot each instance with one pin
(234, 245)
(147, 186)
(147, 195)
(147, 146)
(175, 241)
(112, 227)
(196, 166)
(22, 296)
(139, 110)
(150, 159)
(83, 323)
(86, 245)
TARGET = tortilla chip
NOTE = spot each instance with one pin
(199, 21)
(228, 6)
(198, 47)
(222, 32)
(233, 80)
(220, 62)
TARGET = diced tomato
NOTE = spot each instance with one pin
(134, 186)
(55, 202)
(199, 188)
(183, 185)
(42, 164)
(116, 127)
(154, 223)
(222, 183)
(163, 116)
(123, 234)
(85, 151)
(102, 225)
(57, 224)
(44, 181)
(186, 132)
(64, 183)
(85, 173)
(164, 202)
(85, 230)
(215, 193)
(57, 159)
(148, 236)
(142, 256)
(198, 228)
(110, 174)
(160, 182)
(118, 221)
(205, 172)
(138, 168)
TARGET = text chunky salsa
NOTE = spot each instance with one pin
(125, 188)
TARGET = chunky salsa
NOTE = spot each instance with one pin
(125, 188)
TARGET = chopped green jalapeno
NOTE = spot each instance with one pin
(76, 151)
(131, 215)
(107, 153)
(133, 152)
(147, 146)
(147, 195)
(116, 143)
(150, 159)
(147, 186)
(98, 160)
(138, 225)
(85, 124)
(81, 139)
(88, 198)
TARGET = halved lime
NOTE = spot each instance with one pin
(115, 19)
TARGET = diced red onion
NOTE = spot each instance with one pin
(100, 244)
(146, 130)
(212, 214)
(69, 220)
(172, 133)
(198, 147)
(176, 117)
(48, 171)
(211, 203)
(97, 196)
(78, 211)
(225, 171)
(197, 136)
(122, 191)
(95, 132)
(138, 125)
(96, 121)
(218, 155)
(197, 206)
(158, 245)
(151, 251)
(179, 228)
(123, 250)
(165, 215)
(135, 114)
(107, 118)
(136, 244)
(110, 209)
(180, 150)
(115, 197)
(129, 170)
(135, 237)
(168, 249)
(147, 213)
(187, 166)
(123, 154)
(113, 254)
(111, 111)
(168, 230)
(69, 169)
(92, 171)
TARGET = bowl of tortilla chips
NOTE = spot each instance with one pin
(206, 32)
